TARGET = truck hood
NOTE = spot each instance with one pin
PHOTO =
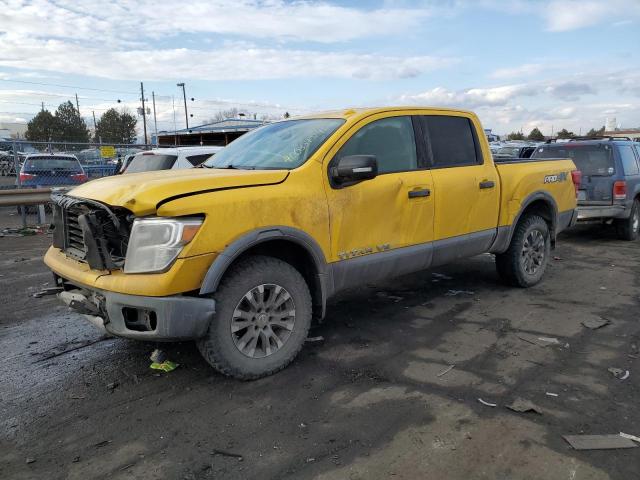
(141, 193)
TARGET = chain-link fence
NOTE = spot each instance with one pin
(46, 166)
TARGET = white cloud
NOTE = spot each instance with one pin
(122, 20)
(559, 103)
(228, 63)
(519, 71)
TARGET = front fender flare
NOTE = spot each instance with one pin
(226, 258)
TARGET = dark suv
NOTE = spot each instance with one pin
(610, 187)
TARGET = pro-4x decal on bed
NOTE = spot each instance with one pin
(560, 177)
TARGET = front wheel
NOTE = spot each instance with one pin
(263, 315)
(524, 263)
(628, 228)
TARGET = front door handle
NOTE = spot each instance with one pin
(487, 184)
(425, 192)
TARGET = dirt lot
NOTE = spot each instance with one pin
(369, 402)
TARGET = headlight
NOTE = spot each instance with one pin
(155, 243)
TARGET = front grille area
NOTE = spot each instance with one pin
(74, 240)
(91, 232)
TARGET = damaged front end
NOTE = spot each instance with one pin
(91, 232)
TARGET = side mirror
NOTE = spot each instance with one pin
(354, 168)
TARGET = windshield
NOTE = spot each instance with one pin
(146, 162)
(510, 151)
(592, 160)
(47, 163)
(281, 145)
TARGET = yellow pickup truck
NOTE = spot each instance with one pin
(242, 253)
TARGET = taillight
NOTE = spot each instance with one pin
(26, 176)
(576, 178)
(79, 177)
(620, 190)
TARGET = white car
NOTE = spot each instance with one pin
(169, 159)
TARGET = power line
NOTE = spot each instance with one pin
(67, 86)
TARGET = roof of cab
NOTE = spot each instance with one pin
(350, 113)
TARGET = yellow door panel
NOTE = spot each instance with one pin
(382, 213)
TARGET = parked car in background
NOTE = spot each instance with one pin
(610, 187)
(169, 158)
(51, 169)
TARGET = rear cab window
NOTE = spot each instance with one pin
(146, 162)
(52, 163)
(452, 141)
(591, 159)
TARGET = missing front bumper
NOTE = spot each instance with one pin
(172, 318)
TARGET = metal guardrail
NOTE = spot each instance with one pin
(25, 196)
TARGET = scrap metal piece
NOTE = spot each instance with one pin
(523, 406)
(598, 442)
(595, 323)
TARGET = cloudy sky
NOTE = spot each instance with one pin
(518, 63)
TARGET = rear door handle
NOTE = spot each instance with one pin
(487, 184)
(425, 192)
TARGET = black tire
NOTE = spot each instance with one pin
(512, 265)
(220, 347)
(628, 228)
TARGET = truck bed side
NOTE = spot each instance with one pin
(525, 181)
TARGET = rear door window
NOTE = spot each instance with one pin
(629, 162)
(146, 162)
(452, 141)
(592, 160)
(392, 142)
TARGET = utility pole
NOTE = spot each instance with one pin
(77, 104)
(144, 115)
(43, 106)
(155, 121)
(95, 129)
(184, 95)
(175, 126)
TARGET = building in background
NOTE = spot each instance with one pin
(12, 130)
(632, 133)
(218, 133)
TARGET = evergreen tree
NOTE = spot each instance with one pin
(70, 126)
(116, 127)
(536, 135)
(42, 127)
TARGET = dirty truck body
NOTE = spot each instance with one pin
(241, 254)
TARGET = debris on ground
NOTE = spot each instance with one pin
(47, 291)
(630, 437)
(225, 453)
(112, 386)
(21, 232)
(166, 366)
(158, 356)
(550, 394)
(557, 258)
(539, 341)
(30, 460)
(598, 442)
(446, 370)
(522, 405)
(441, 276)
(317, 339)
(488, 404)
(619, 373)
(595, 323)
(394, 298)
(454, 293)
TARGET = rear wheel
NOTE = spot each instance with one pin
(524, 263)
(628, 228)
(263, 315)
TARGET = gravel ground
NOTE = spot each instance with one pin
(375, 399)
